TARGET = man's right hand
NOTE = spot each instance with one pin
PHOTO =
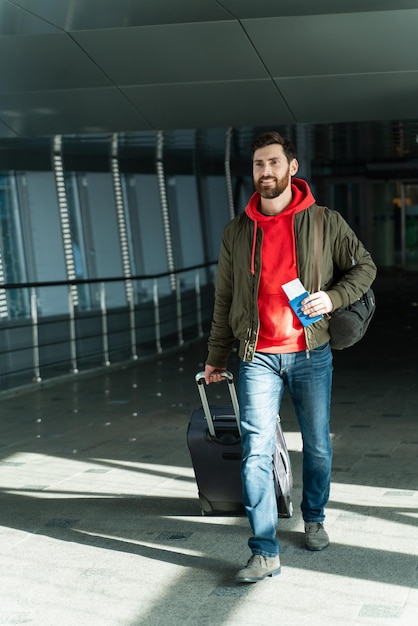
(213, 374)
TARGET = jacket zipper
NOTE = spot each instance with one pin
(252, 333)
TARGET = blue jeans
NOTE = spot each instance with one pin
(261, 385)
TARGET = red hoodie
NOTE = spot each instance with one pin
(280, 330)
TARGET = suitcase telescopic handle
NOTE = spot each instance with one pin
(229, 377)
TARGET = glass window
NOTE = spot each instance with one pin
(44, 249)
(78, 237)
(147, 230)
(105, 261)
(12, 256)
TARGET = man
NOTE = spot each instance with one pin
(268, 245)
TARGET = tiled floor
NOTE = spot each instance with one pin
(100, 523)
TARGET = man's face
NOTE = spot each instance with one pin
(271, 171)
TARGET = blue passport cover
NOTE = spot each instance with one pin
(296, 304)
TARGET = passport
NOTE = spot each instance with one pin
(296, 292)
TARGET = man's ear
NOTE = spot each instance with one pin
(294, 166)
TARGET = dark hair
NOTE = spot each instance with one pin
(270, 137)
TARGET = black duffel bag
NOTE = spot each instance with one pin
(347, 325)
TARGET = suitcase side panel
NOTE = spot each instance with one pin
(216, 462)
(283, 477)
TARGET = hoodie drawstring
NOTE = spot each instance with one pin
(253, 248)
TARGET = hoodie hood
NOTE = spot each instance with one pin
(302, 198)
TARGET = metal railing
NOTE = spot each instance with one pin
(155, 317)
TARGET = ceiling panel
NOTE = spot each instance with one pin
(326, 99)
(52, 61)
(337, 44)
(15, 21)
(66, 111)
(95, 14)
(132, 66)
(168, 54)
(272, 8)
(181, 106)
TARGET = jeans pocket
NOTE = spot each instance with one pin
(322, 348)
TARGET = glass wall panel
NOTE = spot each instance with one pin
(383, 194)
(411, 226)
(353, 199)
(43, 239)
(147, 230)
(104, 248)
(245, 189)
(216, 204)
(13, 260)
(185, 224)
(79, 238)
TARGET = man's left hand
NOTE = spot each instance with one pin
(318, 303)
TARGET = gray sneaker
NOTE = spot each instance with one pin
(316, 537)
(258, 568)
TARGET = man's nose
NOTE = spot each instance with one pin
(266, 170)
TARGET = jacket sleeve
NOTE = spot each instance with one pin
(221, 338)
(353, 270)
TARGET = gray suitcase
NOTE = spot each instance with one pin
(214, 442)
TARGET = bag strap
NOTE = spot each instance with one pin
(318, 248)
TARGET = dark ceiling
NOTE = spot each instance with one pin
(88, 67)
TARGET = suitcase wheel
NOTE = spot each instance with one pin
(205, 506)
(285, 506)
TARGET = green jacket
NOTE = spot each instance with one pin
(347, 272)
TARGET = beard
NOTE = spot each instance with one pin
(274, 191)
